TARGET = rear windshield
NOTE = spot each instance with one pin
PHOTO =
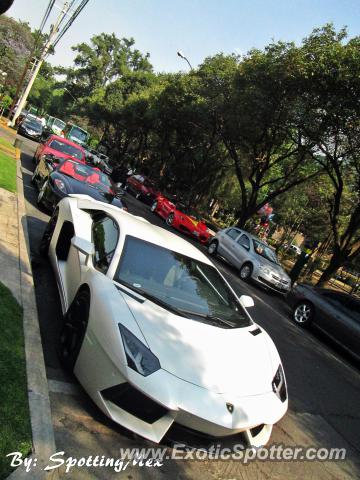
(86, 174)
(66, 148)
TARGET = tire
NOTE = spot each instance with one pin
(74, 329)
(303, 313)
(212, 248)
(41, 193)
(154, 206)
(47, 235)
(246, 271)
(170, 219)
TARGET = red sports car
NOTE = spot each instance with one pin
(182, 218)
(142, 187)
(61, 148)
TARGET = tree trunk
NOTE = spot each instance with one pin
(337, 260)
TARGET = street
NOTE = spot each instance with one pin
(323, 382)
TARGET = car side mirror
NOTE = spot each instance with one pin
(84, 246)
(246, 301)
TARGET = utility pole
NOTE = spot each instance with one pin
(38, 62)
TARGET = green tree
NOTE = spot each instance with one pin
(16, 44)
(332, 124)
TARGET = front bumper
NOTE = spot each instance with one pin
(162, 399)
(52, 196)
(200, 236)
(24, 133)
(272, 281)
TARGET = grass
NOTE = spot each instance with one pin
(7, 172)
(15, 430)
(7, 144)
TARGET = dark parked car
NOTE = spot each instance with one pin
(56, 178)
(31, 127)
(337, 314)
(142, 188)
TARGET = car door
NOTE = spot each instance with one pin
(166, 207)
(227, 245)
(136, 183)
(242, 249)
(351, 325)
(329, 312)
(344, 323)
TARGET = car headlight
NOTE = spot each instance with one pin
(266, 270)
(138, 356)
(279, 385)
(60, 185)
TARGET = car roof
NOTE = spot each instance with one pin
(68, 142)
(140, 228)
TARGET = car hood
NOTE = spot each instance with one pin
(219, 360)
(277, 269)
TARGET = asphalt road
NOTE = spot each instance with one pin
(323, 383)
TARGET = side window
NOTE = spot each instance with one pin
(244, 241)
(105, 234)
(233, 233)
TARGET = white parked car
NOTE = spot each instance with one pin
(254, 258)
(153, 331)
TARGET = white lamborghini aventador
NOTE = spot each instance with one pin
(153, 331)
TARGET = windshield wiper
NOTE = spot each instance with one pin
(155, 299)
(210, 317)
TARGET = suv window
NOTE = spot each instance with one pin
(244, 241)
(233, 233)
(105, 232)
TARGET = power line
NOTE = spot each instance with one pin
(52, 40)
(70, 7)
(70, 21)
(47, 13)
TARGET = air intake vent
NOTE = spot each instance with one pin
(134, 402)
(255, 332)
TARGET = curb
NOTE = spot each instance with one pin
(38, 394)
(3, 123)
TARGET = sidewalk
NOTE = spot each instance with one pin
(16, 274)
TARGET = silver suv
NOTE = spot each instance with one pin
(254, 259)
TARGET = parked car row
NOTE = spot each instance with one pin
(61, 170)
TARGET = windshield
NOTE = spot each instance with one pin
(34, 125)
(84, 173)
(265, 251)
(59, 124)
(179, 283)
(78, 134)
(66, 148)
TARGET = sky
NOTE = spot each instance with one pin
(199, 28)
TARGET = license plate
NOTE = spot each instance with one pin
(196, 233)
